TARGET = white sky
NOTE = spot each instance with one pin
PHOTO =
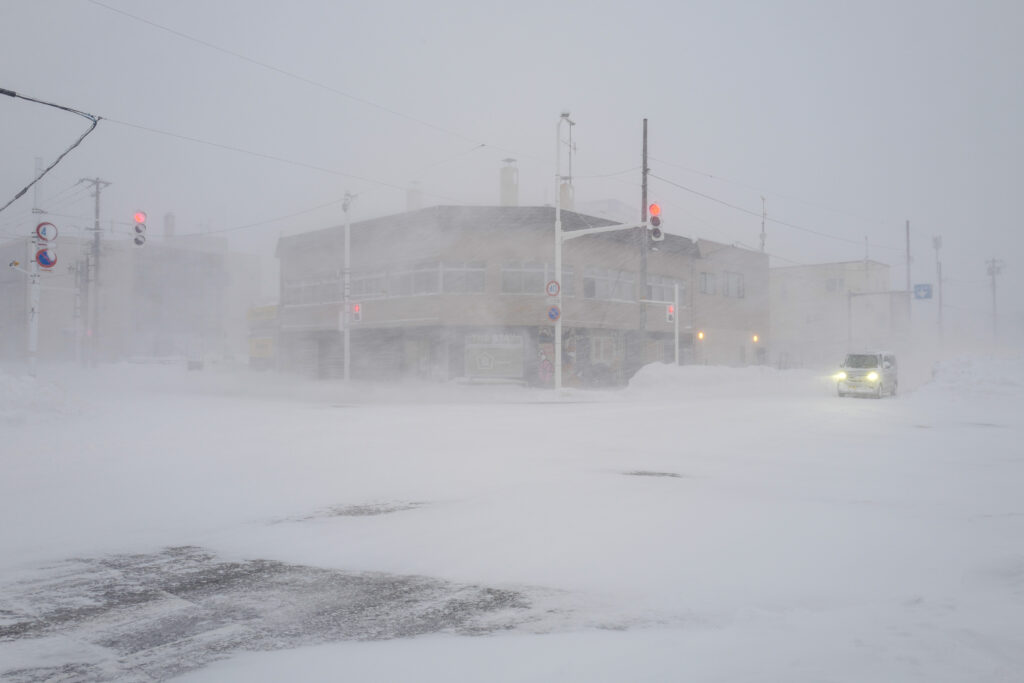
(850, 118)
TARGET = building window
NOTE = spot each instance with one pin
(306, 292)
(530, 277)
(707, 283)
(602, 350)
(400, 283)
(367, 285)
(834, 284)
(463, 278)
(732, 285)
(608, 284)
(426, 278)
(662, 288)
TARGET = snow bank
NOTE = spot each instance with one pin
(658, 381)
(23, 397)
(972, 376)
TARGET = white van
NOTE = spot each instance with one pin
(867, 374)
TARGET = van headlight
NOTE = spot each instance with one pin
(872, 376)
(839, 376)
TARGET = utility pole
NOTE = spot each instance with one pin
(908, 270)
(347, 287)
(643, 240)
(33, 291)
(937, 243)
(764, 215)
(93, 326)
(994, 268)
(564, 118)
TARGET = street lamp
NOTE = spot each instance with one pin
(560, 237)
(558, 244)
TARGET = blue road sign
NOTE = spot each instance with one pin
(554, 313)
(922, 291)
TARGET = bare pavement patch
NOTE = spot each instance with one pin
(151, 617)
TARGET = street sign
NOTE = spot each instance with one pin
(554, 313)
(923, 291)
(553, 288)
(46, 258)
(46, 231)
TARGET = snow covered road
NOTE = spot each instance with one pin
(702, 524)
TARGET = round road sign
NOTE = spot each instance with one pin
(554, 313)
(553, 288)
(46, 258)
(46, 231)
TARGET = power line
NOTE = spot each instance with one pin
(95, 121)
(777, 194)
(773, 220)
(298, 77)
(270, 157)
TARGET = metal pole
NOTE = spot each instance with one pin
(937, 243)
(94, 299)
(33, 306)
(849, 319)
(558, 246)
(908, 255)
(643, 245)
(676, 319)
(346, 314)
(994, 266)
(764, 214)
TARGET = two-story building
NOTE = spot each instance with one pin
(821, 311)
(460, 291)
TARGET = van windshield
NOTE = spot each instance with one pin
(861, 361)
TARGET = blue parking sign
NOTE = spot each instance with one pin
(922, 291)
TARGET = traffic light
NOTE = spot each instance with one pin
(654, 222)
(140, 228)
(357, 313)
(670, 313)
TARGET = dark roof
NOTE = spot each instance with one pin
(464, 218)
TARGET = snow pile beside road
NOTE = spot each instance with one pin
(704, 381)
(977, 376)
(22, 397)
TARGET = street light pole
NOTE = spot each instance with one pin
(558, 244)
(346, 314)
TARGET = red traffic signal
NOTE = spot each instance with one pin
(140, 228)
(670, 313)
(357, 313)
(654, 211)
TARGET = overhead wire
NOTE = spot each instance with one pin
(94, 119)
(297, 77)
(777, 194)
(767, 218)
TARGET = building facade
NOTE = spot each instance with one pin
(822, 311)
(184, 297)
(460, 292)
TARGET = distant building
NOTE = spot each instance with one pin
(458, 291)
(185, 297)
(821, 311)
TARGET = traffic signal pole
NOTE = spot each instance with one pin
(643, 239)
(561, 236)
(94, 299)
(347, 287)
